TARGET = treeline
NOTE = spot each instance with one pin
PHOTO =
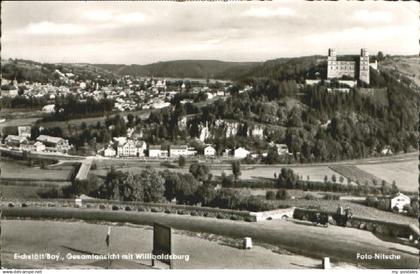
(23, 102)
(288, 179)
(71, 107)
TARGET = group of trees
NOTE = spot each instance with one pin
(289, 180)
(70, 107)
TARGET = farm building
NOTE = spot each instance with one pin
(399, 201)
(155, 151)
(209, 151)
(110, 152)
(14, 140)
(24, 131)
(54, 144)
(33, 147)
(241, 153)
(182, 150)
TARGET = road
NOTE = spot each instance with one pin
(338, 243)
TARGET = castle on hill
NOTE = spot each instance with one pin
(355, 68)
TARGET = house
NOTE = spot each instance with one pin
(155, 151)
(175, 151)
(24, 131)
(387, 150)
(282, 149)
(127, 149)
(48, 108)
(110, 152)
(209, 151)
(241, 153)
(15, 140)
(54, 144)
(33, 147)
(141, 148)
(399, 201)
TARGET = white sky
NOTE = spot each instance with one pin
(146, 32)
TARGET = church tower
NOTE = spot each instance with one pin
(364, 66)
(332, 64)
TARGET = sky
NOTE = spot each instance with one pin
(146, 32)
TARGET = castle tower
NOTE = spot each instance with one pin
(364, 66)
(332, 64)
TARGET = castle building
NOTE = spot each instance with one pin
(357, 68)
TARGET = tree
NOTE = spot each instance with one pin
(334, 178)
(282, 194)
(236, 169)
(200, 172)
(341, 179)
(381, 56)
(181, 161)
(270, 195)
(287, 178)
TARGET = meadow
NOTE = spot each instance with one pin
(405, 174)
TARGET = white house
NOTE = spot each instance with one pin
(399, 201)
(110, 152)
(155, 151)
(181, 150)
(54, 144)
(141, 148)
(48, 108)
(15, 140)
(128, 149)
(33, 147)
(24, 131)
(241, 153)
(209, 151)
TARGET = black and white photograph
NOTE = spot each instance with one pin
(209, 135)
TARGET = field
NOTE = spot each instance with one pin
(355, 174)
(404, 174)
(18, 180)
(408, 66)
(20, 170)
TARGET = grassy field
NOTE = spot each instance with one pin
(20, 170)
(356, 174)
(404, 174)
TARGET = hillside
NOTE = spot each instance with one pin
(406, 66)
(184, 69)
(45, 72)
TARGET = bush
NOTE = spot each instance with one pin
(283, 194)
(309, 196)
(234, 218)
(141, 209)
(167, 210)
(330, 196)
(102, 206)
(114, 207)
(127, 208)
(155, 209)
(193, 213)
(180, 212)
(11, 205)
(24, 205)
(270, 195)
